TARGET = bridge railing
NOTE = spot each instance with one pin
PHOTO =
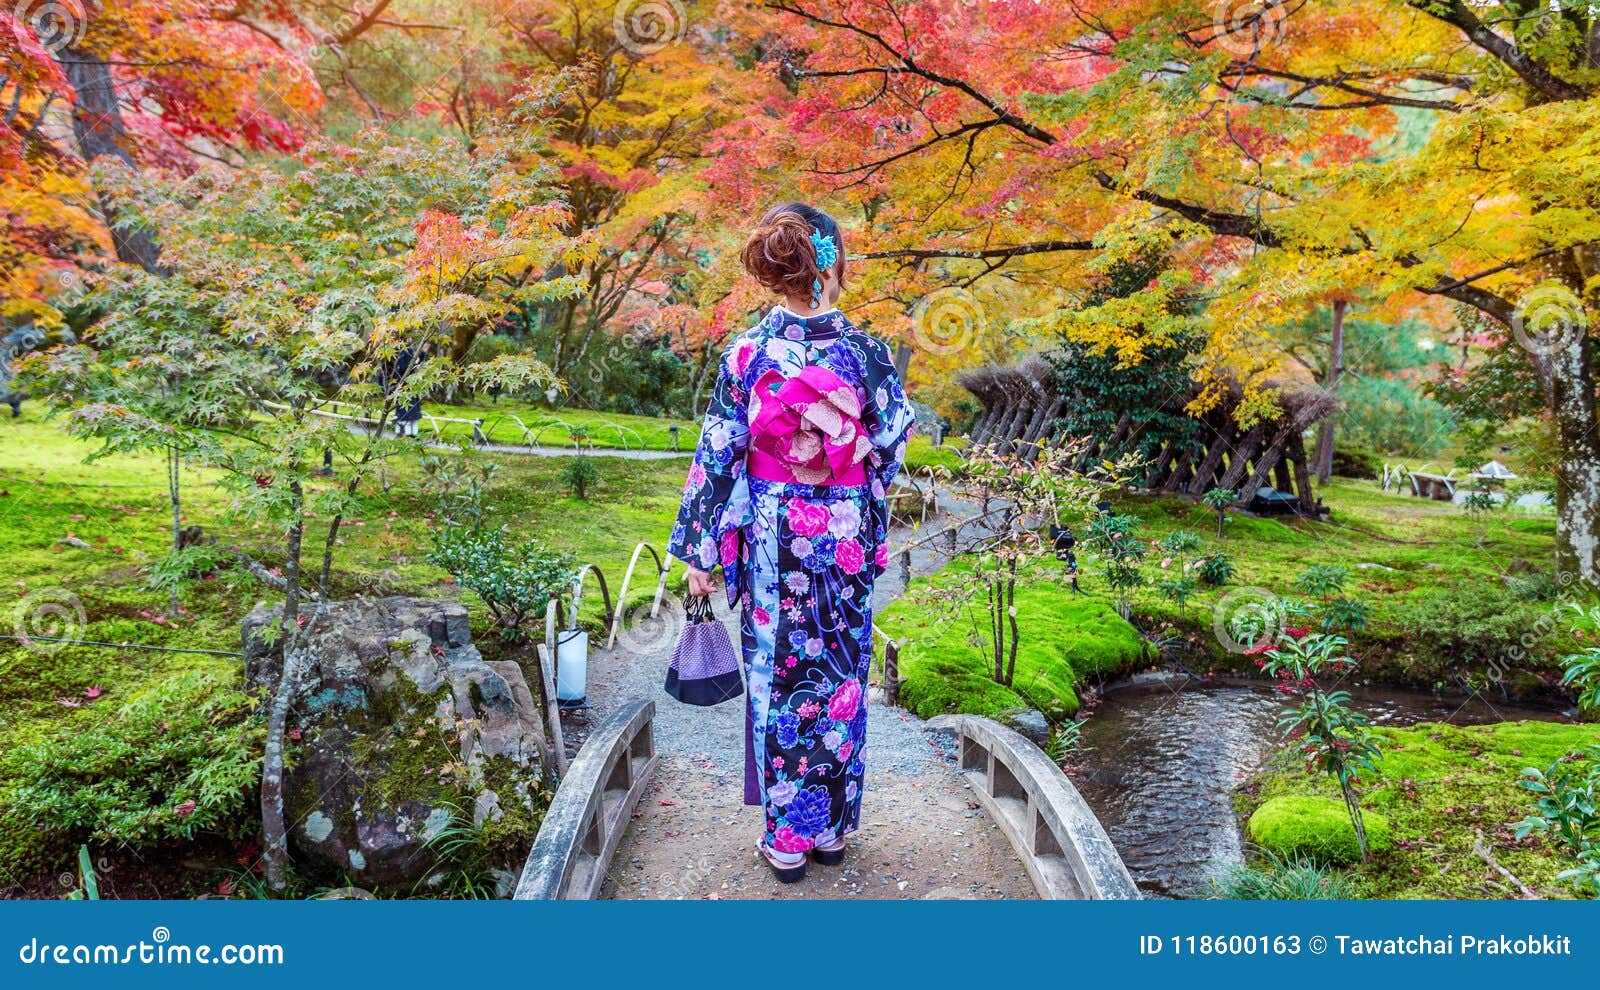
(591, 809)
(1060, 841)
(663, 571)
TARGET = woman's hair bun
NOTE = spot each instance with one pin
(780, 253)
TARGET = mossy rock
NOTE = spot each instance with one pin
(1315, 827)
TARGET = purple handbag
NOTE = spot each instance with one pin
(705, 669)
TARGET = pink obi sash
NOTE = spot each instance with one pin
(807, 430)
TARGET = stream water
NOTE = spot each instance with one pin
(1165, 758)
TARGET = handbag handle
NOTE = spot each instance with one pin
(698, 608)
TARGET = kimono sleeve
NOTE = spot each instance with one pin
(891, 421)
(714, 495)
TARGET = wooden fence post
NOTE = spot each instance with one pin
(891, 672)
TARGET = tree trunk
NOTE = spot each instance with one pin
(97, 125)
(1011, 621)
(1357, 822)
(1572, 387)
(1322, 457)
(274, 834)
(996, 630)
(1302, 474)
(902, 359)
(177, 519)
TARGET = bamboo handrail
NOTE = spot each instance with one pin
(664, 568)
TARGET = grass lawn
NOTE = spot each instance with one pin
(516, 423)
(921, 453)
(1449, 594)
(1441, 787)
(119, 507)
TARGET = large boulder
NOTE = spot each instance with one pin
(404, 730)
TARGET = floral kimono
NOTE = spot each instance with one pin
(805, 431)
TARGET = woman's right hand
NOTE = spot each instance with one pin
(701, 583)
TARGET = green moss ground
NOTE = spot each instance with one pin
(1442, 605)
(1064, 639)
(921, 453)
(552, 427)
(119, 507)
(1302, 825)
(1439, 787)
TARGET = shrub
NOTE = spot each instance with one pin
(1316, 828)
(1568, 808)
(177, 570)
(1216, 568)
(579, 475)
(515, 582)
(1116, 544)
(1543, 586)
(1356, 462)
(1475, 623)
(1392, 414)
(1219, 499)
(182, 758)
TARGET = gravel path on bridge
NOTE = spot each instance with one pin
(922, 836)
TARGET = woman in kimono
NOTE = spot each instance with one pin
(806, 429)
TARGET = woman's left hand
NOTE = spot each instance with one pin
(701, 583)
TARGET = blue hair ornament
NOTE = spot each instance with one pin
(827, 256)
